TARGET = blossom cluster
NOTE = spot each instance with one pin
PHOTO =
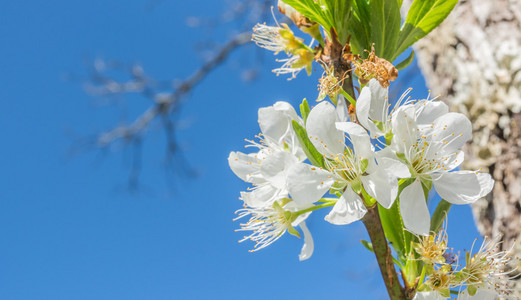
(364, 158)
(355, 163)
(485, 275)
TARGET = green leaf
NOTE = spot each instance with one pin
(312, 11)
(392, 225)
(439, 215)
(422, 18)
(367, 245)
(385, 27)
(406, 62)
(359, 27)
(339, 12)
(311, 152)
(472, 290)
(407, 236)
(304, 110)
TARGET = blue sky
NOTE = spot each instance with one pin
(69, 229)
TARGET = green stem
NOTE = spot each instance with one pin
(348, 87)
(312, 208)
(383, 254)
(348, 97)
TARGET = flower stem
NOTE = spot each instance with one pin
(312, 208)
(383, 254)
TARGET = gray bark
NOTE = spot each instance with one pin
(473, 60)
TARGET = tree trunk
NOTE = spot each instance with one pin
(473, 60)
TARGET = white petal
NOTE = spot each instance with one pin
(381, 186)
(455, 160)
(363, 107)
(454, 129)
(428, 111)
(462, 187)
(359, 137)
(486, 293)
(413, 208)
(245, 166)
(307, 249)
(379, 101)
(262, 195)
(275, 168)
(275, 121)
(320, 126)
(433, 295)
(486, 182)
(349, 208)
(287, 109)
(307, 184)
(405, 129)
(388, 160)
(341, 109)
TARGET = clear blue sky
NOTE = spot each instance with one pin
(68, 228)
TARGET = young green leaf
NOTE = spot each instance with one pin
(385, 27)
(439, 215)
(311, 152)
(339, 12)
(304, 110)
(392, 222)
(422, 18)
(406, 62)
(367, 245)
(312, 11)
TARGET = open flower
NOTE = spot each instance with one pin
(276, 38)
(431, 152)
(488, 268)
(281, 39)
(374, 112)
(278, 151)
(348, 169)
(267, 224)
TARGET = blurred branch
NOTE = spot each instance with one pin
(105, 80)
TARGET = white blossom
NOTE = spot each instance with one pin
(348, 169)
(432, 152)
(278, 151)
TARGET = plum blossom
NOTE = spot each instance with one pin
(270, 222)
(347, 169)
(267, 202)
(432, 152)
(281, 39)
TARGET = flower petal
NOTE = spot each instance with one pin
(388, 160)
(245, 166)
(432, 295)
(381, 186)
(365, 110)
(307, 249)
(463, 187)
(349, 208)
(320, 126)
(405, 129)
(275, 121)
(379, 101)
(275, 168)
(428, 111)
(413, 208)
(262, 195)
(341, 109)
(453, 129)
(307, 184)
(359, 138)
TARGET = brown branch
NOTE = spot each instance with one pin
(383, 254)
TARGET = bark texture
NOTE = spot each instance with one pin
(473, 60)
